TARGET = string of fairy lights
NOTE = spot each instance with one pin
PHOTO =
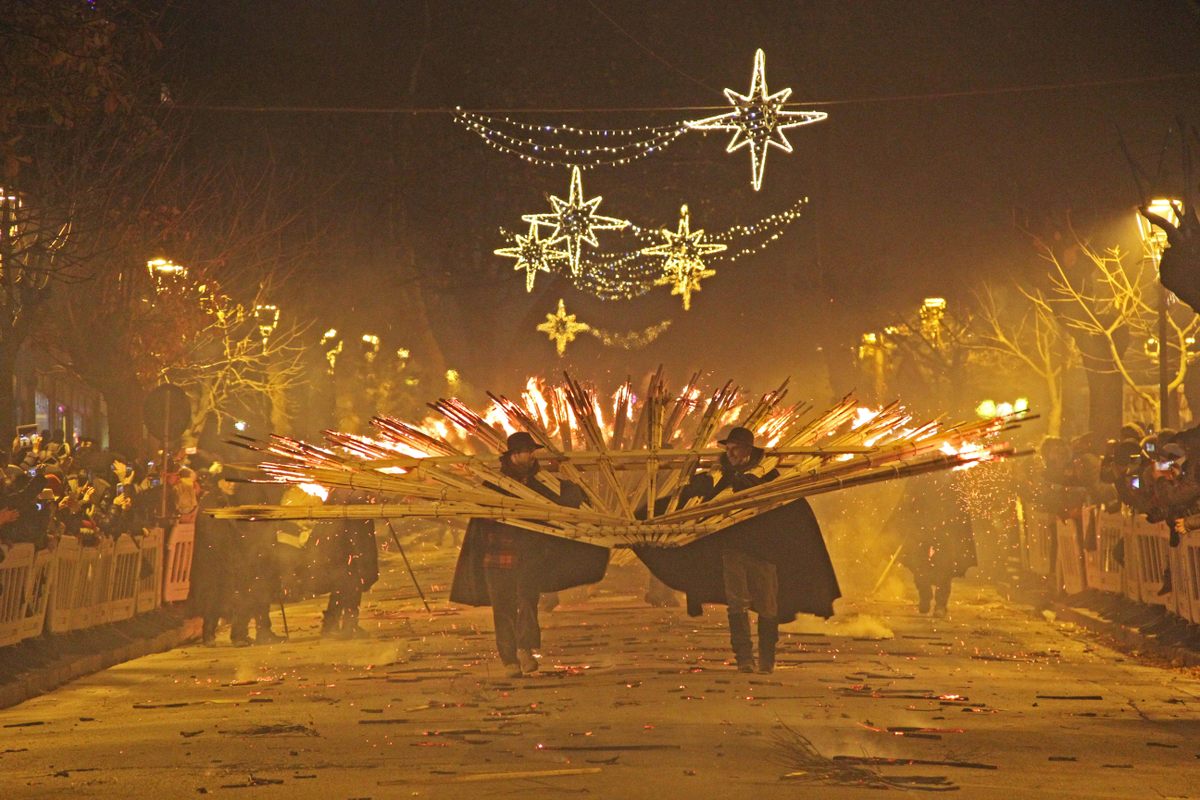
(629, 274)
(682, 258)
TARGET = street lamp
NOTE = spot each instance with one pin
(331, 343)
(266, 316)
(1154, 241)
(164, 272)
(933, 309)
(370, 345)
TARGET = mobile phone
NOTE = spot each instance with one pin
(1135, 482)
(32, 472)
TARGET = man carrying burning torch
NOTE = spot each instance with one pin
(508, 567)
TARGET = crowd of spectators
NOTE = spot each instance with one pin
(52, 488)
(1155, 474)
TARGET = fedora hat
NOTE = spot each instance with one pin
(522, 442)
(738, 435)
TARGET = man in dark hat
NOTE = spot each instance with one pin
(508, 567)
(749, 581)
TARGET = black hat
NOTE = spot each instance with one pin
(522, 442)
(738, 435)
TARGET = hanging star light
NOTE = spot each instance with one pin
(562, 328)
(758, 120)
(532, 254)
(575, 220)
(684, 251)
(688, 281)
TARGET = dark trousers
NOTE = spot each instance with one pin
(514, 613)
(927, 586)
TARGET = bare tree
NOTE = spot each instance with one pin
(1108, 304)
(1031, 339)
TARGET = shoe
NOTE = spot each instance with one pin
(940, 612)
(529, 663)
(746, 666)
(513, 670)
(243, 641)
(209, 641)
(352, 632)
(268, 637)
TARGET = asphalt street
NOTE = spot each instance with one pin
(631, 701)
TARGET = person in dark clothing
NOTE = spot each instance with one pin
(508, 567)
(352, 557)
(749, 581)
(212, 565)
(939, 544)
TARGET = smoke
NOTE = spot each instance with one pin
(854, 626)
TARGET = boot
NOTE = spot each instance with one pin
(739, 637)
(528, 662)
(208, 633)
(350, 628)
(331, 621)
(768, 635)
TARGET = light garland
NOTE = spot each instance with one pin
(533, 255)
(575, 220)
(684, 252)
(631, 274)
(758, 120)
(562, 328)
(631, 340)
(596, 146)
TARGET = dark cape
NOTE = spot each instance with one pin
(788, 537)
(548, 563)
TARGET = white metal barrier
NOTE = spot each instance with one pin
(83, 601)
(149, 589)
(66, 570)
(179, 560)
(37, 593)
(1190, 584)
(1072, 576)
(1039, 543)
(14, 575)
(1102, 569)
(1149, 563)
(121, 600)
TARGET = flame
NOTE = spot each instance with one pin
(968, 453)
(864, 415)
(315, 490)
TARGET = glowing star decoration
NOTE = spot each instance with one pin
(532, 254)
(562, 328)
(688, 281)
(758, 120)
(575, 220)
(684, 251)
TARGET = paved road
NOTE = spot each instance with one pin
(632, 702)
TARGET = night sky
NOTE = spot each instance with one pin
(922, 181)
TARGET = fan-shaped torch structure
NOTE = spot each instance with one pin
(621, 456)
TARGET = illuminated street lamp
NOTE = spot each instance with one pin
(933, 310)
(370, 345)
(164, 273)
(266, 316)
(331, 343)
(1154, 241)
(1154, 238)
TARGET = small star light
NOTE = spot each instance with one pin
(758, 120)
(562, 328)
(688, 281)
(575, 220)
(532, 254)
(684, 251)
